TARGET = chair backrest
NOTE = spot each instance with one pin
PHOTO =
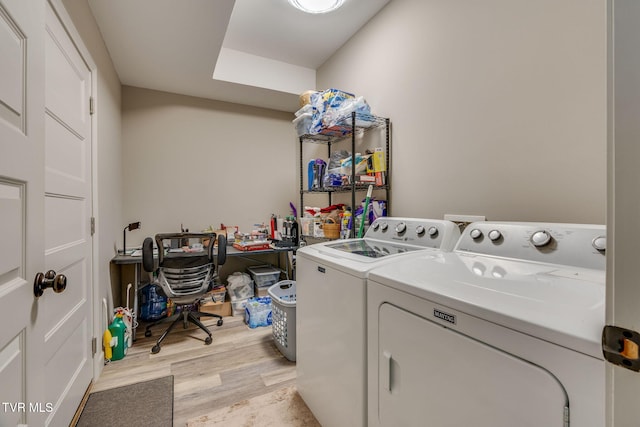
(184, 276)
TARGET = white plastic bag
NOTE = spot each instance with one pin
(239, 286)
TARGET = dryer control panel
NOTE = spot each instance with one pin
(428, 233)
(577, 245)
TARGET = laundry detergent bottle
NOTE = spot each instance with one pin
(118, 330)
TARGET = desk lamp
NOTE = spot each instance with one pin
(132, 226)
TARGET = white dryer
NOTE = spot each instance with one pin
(331, 279)
(503, 331)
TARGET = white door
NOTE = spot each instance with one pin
(45, 346)
(623, 210)
(66, 317)
(21, 210)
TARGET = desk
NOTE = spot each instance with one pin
(123, 260)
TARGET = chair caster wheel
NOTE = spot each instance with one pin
(147, 334)
(155, 349)
(208, 340)
(219, 322)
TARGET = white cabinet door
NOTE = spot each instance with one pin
(431, 375)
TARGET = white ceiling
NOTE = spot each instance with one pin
(255, 52)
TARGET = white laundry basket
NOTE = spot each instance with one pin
(283, 316)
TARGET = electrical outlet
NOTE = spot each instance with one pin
(464, 218)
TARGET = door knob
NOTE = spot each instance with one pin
(57, 282)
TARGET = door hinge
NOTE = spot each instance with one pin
(91, 106)
(94, 346)
(621, 347)
(93, 225)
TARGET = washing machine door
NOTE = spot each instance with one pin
(430, 375)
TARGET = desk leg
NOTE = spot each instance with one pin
(136, 282)
(288, 265)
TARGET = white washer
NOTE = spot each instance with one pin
(503, 331)
(331, 280)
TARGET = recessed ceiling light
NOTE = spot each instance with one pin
(316, 6)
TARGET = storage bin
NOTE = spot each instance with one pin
(307, 225)
(302, 123)
(283, 317)
(264, 275)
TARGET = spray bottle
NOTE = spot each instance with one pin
(346, 225)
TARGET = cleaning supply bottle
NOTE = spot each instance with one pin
(107, 338)
(118, 330)
(106, 342)
(346, 223)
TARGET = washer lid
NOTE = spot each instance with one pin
(555, 303)
(371, 248)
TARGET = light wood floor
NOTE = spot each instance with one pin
(240, 363)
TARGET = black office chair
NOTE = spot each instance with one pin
(184, 278)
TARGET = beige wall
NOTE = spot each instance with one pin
(199, 162)
(498, 107)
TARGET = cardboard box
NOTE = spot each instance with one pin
(220, 308)
(247, 247)
(379, 163)
(261, 292)
(216, 295)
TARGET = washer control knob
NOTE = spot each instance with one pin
(401, 227)
(475, 234)
(420, 230)
(495, 235)
(600, 243)
(384, 226)
(375, 226)
(540, 238)
(433, 231)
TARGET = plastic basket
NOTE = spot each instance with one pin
(283, 317)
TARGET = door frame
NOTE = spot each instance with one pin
(96, 314)
(623, 200)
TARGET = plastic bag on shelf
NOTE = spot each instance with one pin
(342, 113)
(322, 104)
(377, 209)
(335, 161)
(361, 164)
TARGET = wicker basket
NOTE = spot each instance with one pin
(331, 229)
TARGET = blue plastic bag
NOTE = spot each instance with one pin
(153, 305)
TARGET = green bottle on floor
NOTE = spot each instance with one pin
(118, 330)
